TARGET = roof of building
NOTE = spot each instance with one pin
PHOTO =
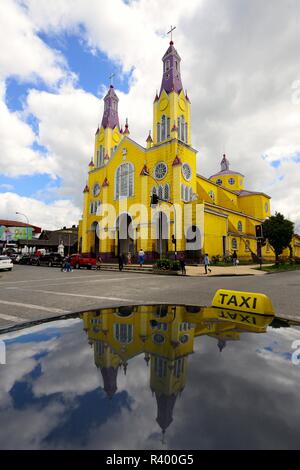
(225, 169)
(16, 223)
(68, 236)
(110, 115)
(171, 80)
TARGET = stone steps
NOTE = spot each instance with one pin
(128, 268)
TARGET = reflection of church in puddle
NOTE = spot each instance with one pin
(165, 335)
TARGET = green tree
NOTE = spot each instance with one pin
(279, 232)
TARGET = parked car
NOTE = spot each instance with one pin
(15, 257)
(82, 261)
(25, 259)
(5, 263)
(51, 259)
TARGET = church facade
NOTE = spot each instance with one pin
(195, 215)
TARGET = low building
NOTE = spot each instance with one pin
(50, 240)
(11, 231)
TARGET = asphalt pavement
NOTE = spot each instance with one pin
(31, 293)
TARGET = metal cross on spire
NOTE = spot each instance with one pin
(171, 32)
(111, 78)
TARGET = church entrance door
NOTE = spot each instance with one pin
(125, 236)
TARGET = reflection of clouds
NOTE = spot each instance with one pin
(20, 361)
(69, 368)
(43, 327)
(26, 429)
(245, 397)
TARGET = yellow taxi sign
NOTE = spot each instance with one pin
(243, 301)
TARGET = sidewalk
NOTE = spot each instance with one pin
(241, 270)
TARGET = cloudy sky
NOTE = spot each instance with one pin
(239, 64)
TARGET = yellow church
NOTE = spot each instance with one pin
(195, 214)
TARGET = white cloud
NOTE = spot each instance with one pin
(17, 137)
(23, 54)
(58, 214)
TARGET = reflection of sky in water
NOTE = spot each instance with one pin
(51, 395)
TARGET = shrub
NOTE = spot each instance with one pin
(215, 259)
(167, 264)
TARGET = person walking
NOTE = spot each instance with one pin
(141, 257)
(182, 264)
(98, 263)
(234, 258)
(206, 263)
(121, 261)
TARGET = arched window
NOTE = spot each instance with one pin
(182, 192)
(190, 194)
(182, 129)
(234, 244)
(124, 180)
(100, 156)
(160, 192)
(178, 367)
(154, 190)
(158, 132)
(160, 366)
(240, 226)
(168, 128)
(166, 192)
(186, 194)
(123, 332)
(163, 127)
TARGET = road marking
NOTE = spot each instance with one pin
(91, 279)
(66, 294)
(34, 307)
(13, 318)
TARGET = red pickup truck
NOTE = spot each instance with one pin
(82, 261)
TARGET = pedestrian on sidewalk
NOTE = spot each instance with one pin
(206, 263)
(234, 258)
(129, 258)
(182, 264)
(141, 257)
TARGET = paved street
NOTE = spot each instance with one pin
(32, 293)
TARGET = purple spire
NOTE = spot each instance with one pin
(165, 406)
(110, 116)
(109, 375)
(171, 74)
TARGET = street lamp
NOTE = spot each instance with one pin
(27, 220)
